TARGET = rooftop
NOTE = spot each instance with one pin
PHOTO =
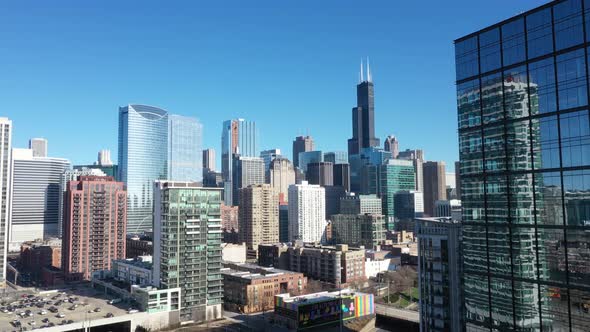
(318, 297)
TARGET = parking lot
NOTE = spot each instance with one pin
(31, 311)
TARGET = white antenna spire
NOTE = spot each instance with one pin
(368, 71)
(362, 76)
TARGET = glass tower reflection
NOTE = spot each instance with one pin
(524, 140)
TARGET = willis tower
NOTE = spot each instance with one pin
(363, 115)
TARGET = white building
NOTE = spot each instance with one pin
(374, 266)
(448, 208)
(5, 187)
(307, 212)
(280, 175)
(71, 175)
(234, 253)
(136, 271)
(39, 147)
(34, 203)
(104, 158)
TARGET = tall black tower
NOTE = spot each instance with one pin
(363, 115)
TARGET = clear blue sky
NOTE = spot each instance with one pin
(291, 66)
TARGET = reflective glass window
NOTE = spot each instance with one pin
(524, 253)
(502, 309)
(587, 18)
(579, 303)
(521, 199)
(474, 248)
(497, 199)
(545, 139)
(499, 250)
(548, 204)
(469, 104)
(578, 253)
(513, 47)
(472, 193)
(470, 152)
(576, 185)
(571, 79)
(477, 305)
(516, 97)
(551, 250)
(526, 306)
(491, 96)
(575, 139)
(518, 145)
(539, 33)
(495, 155)
(554, 308)
(466, 58)
(567, 17)
(542, 87)
(489, 50)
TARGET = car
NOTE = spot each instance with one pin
(51, 324)
(45, 320)
(32, 323)
(72, 308)
(96, 309)
(70, 321)
(109, 315)
(60, 315)
(114, 301)
(132, 311)
(43, 312)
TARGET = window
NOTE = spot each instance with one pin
(513, 48)
(466, 58)
(468, 104)
(489, 48)
(542, 86)
(545, 138)
(576, 185)
(551, 250)
(491, 91)
(497, 199)
(521, 199)
(554, 312)
(539, 33)
(575, 139)
(567, 18)
(548, 205)
(502, 309)
(495, 155)
(518, 145)
(571, 79)
(516, 97)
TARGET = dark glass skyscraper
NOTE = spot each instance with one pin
(524, 140)
(363, 116)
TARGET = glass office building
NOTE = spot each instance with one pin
(524, 139)
(238, 137)
(185, 157)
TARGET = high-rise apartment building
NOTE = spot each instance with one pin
(281, 175)
(209, 159)
(268, 156)
(522, 96)
(307, 214)
(395, 175)
(283, 223)
(439, 274)
(391, 144)
(435, 187)
(39, 147)
(342, 176)
(246, 171)
(67, 176)
(360, 204)
(187, 246)
(238, 138)
(301, 144)
(35, 197)
(229, 217)
(363, 115)
(6, 191)
(258, 215)
(336, 157)
(356, 230)
(154, 144)
(94, 226)
(320, 173)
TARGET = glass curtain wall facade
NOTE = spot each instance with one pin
(143, 158)
(238, 137)
(185, 157)
(524, 139)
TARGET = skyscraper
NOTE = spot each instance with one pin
(246, 171)
(209, 159)
(435, 187)
(280, 176)
(301, 144)
(342, 176)
(458, 179)
(309, 157)
(104, 158)
(238, 137)
(39, 147)
(94, 225)
(391, 144)
(363, 115)
(259, 216)
(320, 173)
(154, 145)
(525, 162)
(336, 157)
(268, 156)
(417, 158)
(6, 191)
(395, 175)
(307, 214)
(34, 203)
(187, 246)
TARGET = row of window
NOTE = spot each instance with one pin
(540, 33)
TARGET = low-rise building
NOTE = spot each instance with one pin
(138, 246)
(233, 253)
(134, 271)
(273, 255)
(251, 288)
(322, 309)
(366, 230)
(36, 255)
(360, 204)
(151, 299)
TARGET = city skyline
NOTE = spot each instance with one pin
(334, 72)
